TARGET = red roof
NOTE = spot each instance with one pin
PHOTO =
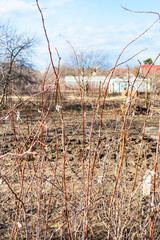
(121, 71)
(155, 68)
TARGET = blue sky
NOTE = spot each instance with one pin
(89, 25)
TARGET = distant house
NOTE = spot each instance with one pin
(120, 72)
(155, 70)
(120, 84)
(116, 84)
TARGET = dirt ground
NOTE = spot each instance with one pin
(32, 201)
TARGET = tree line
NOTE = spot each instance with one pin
(15, 61)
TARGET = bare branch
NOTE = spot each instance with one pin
(148, 12)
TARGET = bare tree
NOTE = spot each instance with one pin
(87, 65)
(15, 59)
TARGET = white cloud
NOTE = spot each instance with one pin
(113, 39)
(110, 40)
(59, 2)
(9, 6)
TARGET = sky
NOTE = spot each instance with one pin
(89, 25)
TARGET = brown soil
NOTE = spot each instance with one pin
(36, 178)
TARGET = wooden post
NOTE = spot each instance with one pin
(99, 98)
(146, 95)
(56, 95)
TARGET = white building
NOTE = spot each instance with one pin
(116, 84)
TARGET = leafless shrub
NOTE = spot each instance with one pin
(77, 175)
